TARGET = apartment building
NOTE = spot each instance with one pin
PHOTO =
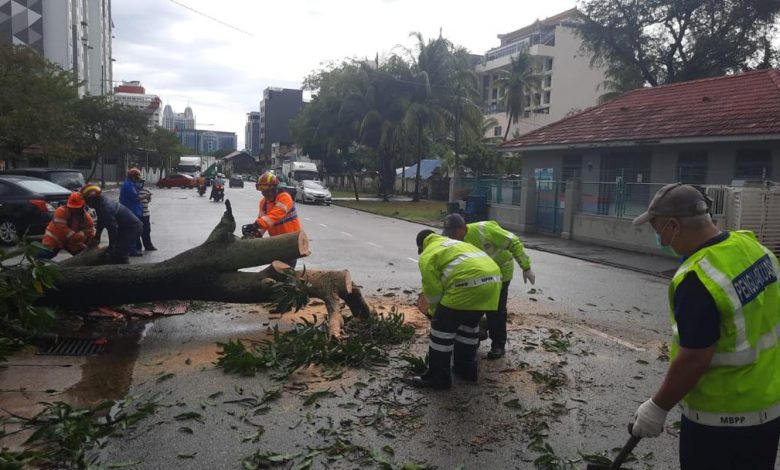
(568, 82)
(75, 34)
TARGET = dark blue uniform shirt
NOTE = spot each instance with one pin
(697, 316)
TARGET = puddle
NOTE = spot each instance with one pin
(107, 376)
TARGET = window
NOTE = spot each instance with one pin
(546, 97)
(692, 167)
(548, 81)
(548, 64)
(753, 164)
(497, 131)
(527, 101)
(495, 93)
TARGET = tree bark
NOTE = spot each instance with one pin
(205, 272)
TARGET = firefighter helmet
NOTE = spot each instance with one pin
(267, 180)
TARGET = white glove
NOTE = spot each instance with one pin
(648, 421)
(528, 276)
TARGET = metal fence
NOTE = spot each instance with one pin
(497, 190)
(617, 199)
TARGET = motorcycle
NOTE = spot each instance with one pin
(250, 231)
(201, 190)
(218, 193)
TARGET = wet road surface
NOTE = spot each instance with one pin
(585, 350)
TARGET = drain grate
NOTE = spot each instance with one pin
(74, 347)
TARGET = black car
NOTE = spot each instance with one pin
(71, 179)
(27, 205)
(236, 181)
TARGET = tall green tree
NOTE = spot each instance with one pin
(36, 103)
(667, 41)
(103, 128)
(166, 145)
(520, 81)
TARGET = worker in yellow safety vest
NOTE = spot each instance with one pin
(725, 357)
(504, 248)
(460, 283)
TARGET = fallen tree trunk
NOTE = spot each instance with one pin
(206, 272)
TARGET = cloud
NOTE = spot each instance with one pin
(187, 58)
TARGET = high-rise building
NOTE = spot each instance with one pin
(279, 106)
(252, 133)
(75, 34)
(568, 81)
(134, 95)
(178, 121)
(204, 142)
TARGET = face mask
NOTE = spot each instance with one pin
(665, 248)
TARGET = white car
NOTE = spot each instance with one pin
(313, 191)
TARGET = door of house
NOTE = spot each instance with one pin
(549, 206)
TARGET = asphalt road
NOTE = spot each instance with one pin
(613, 323)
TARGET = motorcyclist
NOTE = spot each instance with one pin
(200, 184)
(219, 181)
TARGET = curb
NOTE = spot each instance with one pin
(533, 247)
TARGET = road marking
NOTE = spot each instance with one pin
(612, 338)
(323, 225)
(306, 218)
(374, 244)
(345, 233)
(413, 260)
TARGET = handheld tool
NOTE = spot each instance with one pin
(621, 457)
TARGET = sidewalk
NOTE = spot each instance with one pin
(660, 266)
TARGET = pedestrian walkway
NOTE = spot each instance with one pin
(656, 265)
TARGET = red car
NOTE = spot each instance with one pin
(176, 181)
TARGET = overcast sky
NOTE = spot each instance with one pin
(221, 72)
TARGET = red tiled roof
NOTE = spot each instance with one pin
(746, 104)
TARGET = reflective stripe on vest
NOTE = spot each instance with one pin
(457, 261)
(478, 281)
(752, 418)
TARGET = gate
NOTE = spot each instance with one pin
(549, 206)
(758, 210)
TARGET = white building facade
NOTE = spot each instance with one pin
(75, 34)
(568, 82)
(133, 95)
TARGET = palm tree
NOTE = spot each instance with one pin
(519, 81)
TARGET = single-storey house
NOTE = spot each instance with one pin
(239, 163)
(710, 132)
(432, 183)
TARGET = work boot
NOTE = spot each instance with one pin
(150, 248)
(437, 381)
(467, 371)
(496, 352)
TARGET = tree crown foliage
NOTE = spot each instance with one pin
(667, 41)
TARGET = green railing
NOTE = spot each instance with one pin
(619, 199)
(497, 190)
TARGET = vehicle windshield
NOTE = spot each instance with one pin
(303, 175)
(41, 187)
(310, 184)
(68, 179)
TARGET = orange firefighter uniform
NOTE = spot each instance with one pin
(65, 231)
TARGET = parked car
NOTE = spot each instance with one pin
(176, 181)
(71, 179)
(27, 205)
(236, 181)
(315, 192)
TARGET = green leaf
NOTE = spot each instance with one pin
(165, 377)
(185, 430)
(190, 415)
(129, 463)
(186, 456)
(313, 397)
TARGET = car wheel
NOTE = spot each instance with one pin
(8, 232)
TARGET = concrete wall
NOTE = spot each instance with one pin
(574, 81)
(617, 233)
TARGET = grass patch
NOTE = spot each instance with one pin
(428, 212)
(343, 193)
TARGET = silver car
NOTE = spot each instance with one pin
(313, 191)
